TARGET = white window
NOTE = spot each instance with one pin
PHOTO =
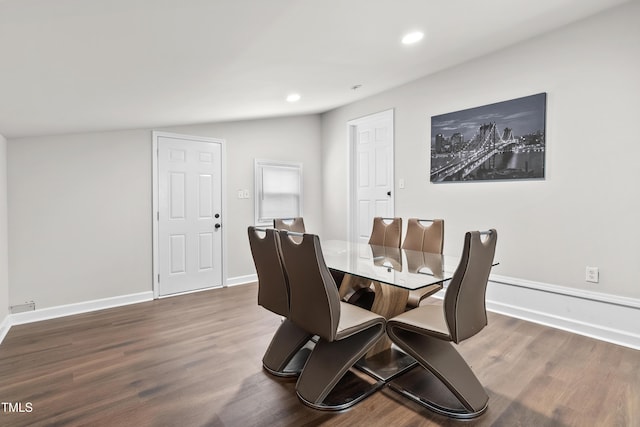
(278, 190)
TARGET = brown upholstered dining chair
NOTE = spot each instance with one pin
(290, 224)
(386, 234)
(285, 355)
(427, 334)
(345, 332)
(425, 235)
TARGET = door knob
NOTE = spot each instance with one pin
(217, 215)
(217, 226)
(388, 193)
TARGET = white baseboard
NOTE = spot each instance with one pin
(242, 280)
(78, 308)
(87, 306)
(5, 325)
(605, 317)
(601, 316)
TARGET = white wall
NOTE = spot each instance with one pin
(80, 205)
(4, 263)
(79, 217)
(294, 139)
(585, 211)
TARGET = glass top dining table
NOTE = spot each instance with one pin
(393, 274)
(411, 270)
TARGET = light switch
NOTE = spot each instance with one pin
(401, 183)
(592, 275)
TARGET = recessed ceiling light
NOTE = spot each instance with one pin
(294, 97)
(413, 37)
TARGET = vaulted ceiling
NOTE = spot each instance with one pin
(70, 66)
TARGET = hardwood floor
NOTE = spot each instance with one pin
(195, 360)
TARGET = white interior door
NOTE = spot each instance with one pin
(189, 214)
(372, 172)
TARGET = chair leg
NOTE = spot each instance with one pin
(328, 363)
(445, 363)
(285, 355)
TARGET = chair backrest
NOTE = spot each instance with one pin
(424, 237)
(314, 298)
(384, 234)
(292, 224)
(464, 301)
(273, 286)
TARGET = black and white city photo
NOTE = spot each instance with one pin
(501, 141)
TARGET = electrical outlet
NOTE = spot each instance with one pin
(240, 194)
(21, 308)
(592, 275)
(245, 194)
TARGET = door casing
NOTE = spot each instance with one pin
(155, 135)
(352, 128)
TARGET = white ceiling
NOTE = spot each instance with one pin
(69, 66)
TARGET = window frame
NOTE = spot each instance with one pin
(259, 166)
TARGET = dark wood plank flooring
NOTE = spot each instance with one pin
(195, 360)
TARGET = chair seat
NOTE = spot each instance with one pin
(354, 319)
(425, 320)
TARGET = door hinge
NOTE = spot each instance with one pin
(158, 278)
(158, 215)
